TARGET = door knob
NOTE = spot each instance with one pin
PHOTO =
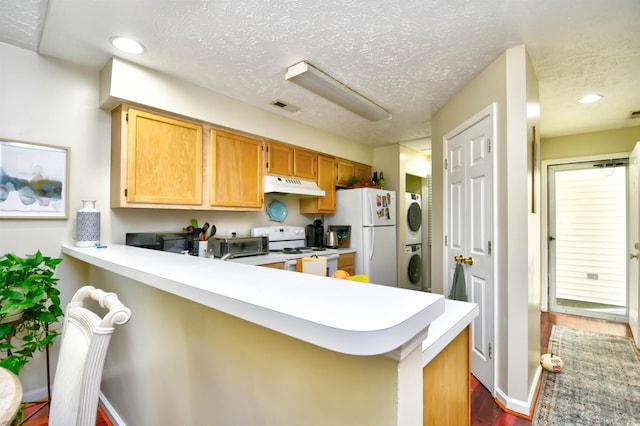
(465, 260)
(633, 256)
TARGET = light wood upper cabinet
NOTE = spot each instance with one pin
(326, 181)
(362, 171)
(346, 169)
(305, 164)
(235, 170)
(279, 159)
(287, 160)
(156, 160)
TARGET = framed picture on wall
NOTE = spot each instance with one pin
(34, 180)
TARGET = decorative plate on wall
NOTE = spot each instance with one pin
(277, 211)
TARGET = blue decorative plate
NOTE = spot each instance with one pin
(277, 211)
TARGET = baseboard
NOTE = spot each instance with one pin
(110, 411)
(35, 395)
(41, 394)
(519, 407)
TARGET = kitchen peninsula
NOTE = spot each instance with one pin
(263, 347)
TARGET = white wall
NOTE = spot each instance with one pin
(50, 102)
(507, 82)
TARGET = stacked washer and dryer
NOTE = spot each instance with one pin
(413, 242)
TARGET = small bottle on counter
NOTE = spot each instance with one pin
(374, 181)
(381, 180)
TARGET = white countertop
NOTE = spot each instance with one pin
(339, 315)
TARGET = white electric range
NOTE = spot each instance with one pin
(289, 242)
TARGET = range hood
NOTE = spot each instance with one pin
(292, 187)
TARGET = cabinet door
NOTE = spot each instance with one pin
(326, 181)
(345, 262)
(235, 171)
(279, 159)
(345, 169)
(362, 171)
(446, 398)
(164, 160)
(305, 164)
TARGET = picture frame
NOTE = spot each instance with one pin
(34, 180)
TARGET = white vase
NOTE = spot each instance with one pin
(88, 225)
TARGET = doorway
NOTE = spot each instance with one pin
(587, 267)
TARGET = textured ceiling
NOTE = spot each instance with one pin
(410, 56)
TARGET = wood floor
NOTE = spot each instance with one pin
(484, 409)
(39, 416)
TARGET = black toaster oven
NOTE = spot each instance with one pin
(174, 242)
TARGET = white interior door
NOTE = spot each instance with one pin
(633, 242)
(469, 231)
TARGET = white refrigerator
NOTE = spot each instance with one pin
(371, 213)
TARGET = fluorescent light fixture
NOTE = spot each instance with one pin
(317, 81)
(127, 44)
(589, 99)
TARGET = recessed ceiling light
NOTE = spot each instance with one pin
(589, 99)
(127, 44)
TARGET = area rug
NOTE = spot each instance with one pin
(599, 384)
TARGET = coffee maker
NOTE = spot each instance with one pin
(314, 235)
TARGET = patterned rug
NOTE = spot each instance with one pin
(599, 385)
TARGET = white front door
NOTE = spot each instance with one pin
(587, 249)
(633, 242)
(469, 230)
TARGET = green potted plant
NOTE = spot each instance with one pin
(29, 304)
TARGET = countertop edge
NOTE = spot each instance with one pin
(445, 328)
(343, 340)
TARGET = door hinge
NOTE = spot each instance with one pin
(489, 145)
(446, 164)
(490, 351)
(446, 240)
(489, 247)
(126, 117)
(125, 192)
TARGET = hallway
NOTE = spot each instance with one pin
(485, 411)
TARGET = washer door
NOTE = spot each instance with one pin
(414, 269)
(414, 217)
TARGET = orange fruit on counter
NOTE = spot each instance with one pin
(340, 274)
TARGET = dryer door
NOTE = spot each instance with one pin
(414, 270)
(414, 217)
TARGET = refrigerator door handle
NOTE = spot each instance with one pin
(368, 216)
(372, 242)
